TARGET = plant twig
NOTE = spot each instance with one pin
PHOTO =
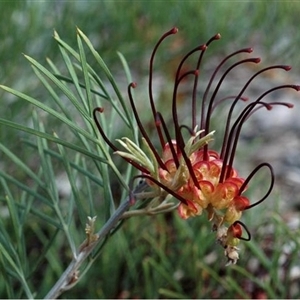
(71, 275)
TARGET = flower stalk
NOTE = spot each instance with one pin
(71, 275)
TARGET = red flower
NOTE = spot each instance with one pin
(200, 178)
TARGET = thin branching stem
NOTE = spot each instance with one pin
(69, 278)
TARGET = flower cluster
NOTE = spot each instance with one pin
(200, 178)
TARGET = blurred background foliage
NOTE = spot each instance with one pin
(159, 256)
(131, 27)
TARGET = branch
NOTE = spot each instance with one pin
(71, 275)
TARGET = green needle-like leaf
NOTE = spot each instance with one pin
(51, 138)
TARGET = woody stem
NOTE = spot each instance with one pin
(66, 281)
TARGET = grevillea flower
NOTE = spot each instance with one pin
(200, 178)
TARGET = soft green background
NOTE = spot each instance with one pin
(153, 256)
(132, 27)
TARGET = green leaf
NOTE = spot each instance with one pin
(18, 271)
(84, 66)
(24, 187)
(21, 165)
(93, 74)
(77, 167)
(59, 84)
(51, 138)
(75, 192)
(50, 111)
(108, 75)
